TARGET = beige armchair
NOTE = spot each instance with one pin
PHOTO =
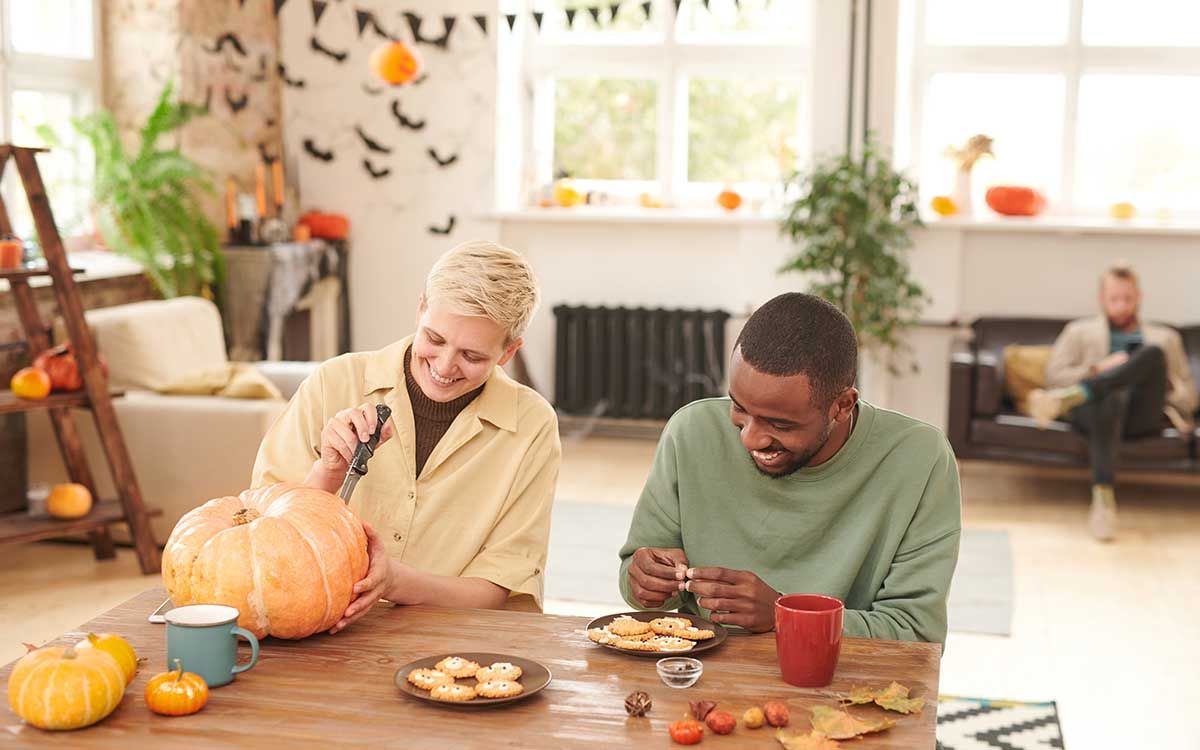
(185, 449)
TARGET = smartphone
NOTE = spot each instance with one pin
(157, 615)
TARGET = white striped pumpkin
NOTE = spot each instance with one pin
(286, 556)
(65, 688)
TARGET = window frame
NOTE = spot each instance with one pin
(1071, 60)
(669, 56)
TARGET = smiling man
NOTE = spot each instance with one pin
(793, 484)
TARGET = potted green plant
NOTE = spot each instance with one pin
(145, 203)
(851, 216)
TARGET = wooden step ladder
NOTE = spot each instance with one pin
(21, 526)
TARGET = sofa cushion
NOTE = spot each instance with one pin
(151, 345)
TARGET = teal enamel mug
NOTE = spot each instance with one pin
(204, 638)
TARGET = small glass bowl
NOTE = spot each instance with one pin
(679, 671)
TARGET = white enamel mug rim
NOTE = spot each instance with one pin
(201, 615)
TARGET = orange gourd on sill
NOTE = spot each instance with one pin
(326, 226)
(116, 647)
(729, 200)
(30, 383)
(286, 556)
(1015, 201)
(68, 501)
(176, 693)
(65, 688)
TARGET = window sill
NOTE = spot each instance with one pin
(1063, 225)
(632, 215)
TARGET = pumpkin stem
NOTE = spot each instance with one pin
(245, 516)
(178, 669)
(29, 647)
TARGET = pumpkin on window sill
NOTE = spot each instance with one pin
(1010, 200)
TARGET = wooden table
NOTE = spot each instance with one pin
(338, 690)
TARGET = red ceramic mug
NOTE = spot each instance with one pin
(808, 638)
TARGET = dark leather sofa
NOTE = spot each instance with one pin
(983, 423)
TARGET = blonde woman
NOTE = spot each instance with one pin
(456, 504)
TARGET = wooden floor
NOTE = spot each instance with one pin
(1111, 632)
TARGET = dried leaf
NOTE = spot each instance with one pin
(839, 725)
(701, 709)
(810, 741)
(895, 698)
(858, 696)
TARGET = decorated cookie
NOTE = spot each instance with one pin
(627, 626)
(428, 679)
(629, 645)
(501, 670)
(693, 633)
(601, 636)
(499, 688)
(671, 643)
(452, 693)
(667, 625)
(456, 666)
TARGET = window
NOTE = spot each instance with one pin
(1094, 102)
(676, 104)
(48, 75)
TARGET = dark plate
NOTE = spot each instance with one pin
(719, 633)
(535, 677)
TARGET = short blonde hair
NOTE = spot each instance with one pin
(486, 280)
(1122, 270)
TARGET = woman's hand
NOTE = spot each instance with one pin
(344, 432)
(374, 585)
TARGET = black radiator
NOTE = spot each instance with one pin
(635, 362)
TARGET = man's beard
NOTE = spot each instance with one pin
(802, 459)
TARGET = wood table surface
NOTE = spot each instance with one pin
(338, 691)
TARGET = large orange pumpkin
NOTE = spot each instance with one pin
(1015, 201)
(326, 226)
(286, 556)
(395, 63)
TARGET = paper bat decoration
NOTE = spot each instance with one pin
(236, 105)
(444, 230)
(227, 38)
(370, 90)
(318, 47)
(404, 121)
(376, 174)
(443, 163)
(296, 83)
(371, 143)
(442, 42)
(315, 152)
(262, 153)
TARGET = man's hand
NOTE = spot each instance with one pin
(655, 574)
(1116, 359)
(735, 597)
(374, 584)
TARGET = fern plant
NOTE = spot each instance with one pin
(851, 217)
(146, 204)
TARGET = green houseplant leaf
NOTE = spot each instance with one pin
(850, 219)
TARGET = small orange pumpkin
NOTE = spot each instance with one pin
(30, 383)
(326, 226)
(1015, 201)
(116, 647)
(395, 63)
(69, 500)
(729, 200)
(176, 693)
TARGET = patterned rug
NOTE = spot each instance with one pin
(981, 724)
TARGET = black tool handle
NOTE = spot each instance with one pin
(367, 449)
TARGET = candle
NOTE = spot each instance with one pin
(230, 203)
(277, 183)
(260, 189)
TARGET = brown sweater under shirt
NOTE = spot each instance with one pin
(431, 419)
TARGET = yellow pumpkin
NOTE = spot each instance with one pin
(176, 693)
(69, 500)
(116, 647)
(943, 205)
(286, 556)
(1122, 211)
(565, 195)
(65, 688)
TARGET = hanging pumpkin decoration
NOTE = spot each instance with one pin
(1015, 201)
(65, 688)
(395, 63)
(176, 693)
(116, 647)
(325, 226)
(286, 556)
(68, 501)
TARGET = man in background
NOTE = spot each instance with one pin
(1116, 376)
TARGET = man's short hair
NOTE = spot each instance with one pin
(1122, 270)
(799, 334)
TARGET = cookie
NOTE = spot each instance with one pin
(628, 645)
(499, 688)
(640, 636)
(501, 670)
(453, 693)
(671, 643)
(428, 679)
(601, 636)
(624, 626)
(666, 625)
(693, 633)
(456, 667)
